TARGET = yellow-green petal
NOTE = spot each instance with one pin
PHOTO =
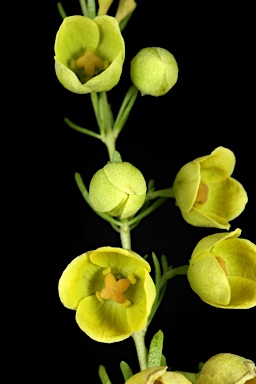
(217, 166)
(104, 321)
(186, 185)
(119, 260)
(78, 280)
(206, 244)
(133, 204)
(243, 292)
(226, 199)
(239, 256)
(147, 376)
(142, 296)
(200, 218)
(208, 280)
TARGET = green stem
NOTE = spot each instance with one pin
(139, 340)
(147, 211)
(83, 7)
(61, 10)
(109, 139)
(81, 129)
(168, 192)
(169, 274)
(125, 235)
(125, 109)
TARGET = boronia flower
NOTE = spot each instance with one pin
(222, 270)
(206, 194)
(154, 71)
(157, 375)
(118, 189)
(89, 54)
(226, 368)
(111, 291)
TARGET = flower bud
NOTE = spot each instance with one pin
(227, 368)
(154, 71)
(118, 189)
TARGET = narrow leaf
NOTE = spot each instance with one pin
(103, 375)
(126, 370)
(155, 350)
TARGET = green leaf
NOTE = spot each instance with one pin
(126, 370)
(163, 361)
(155, 350)
(103, 375)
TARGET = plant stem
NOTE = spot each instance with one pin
(168, 192)
(139, 340)
(169, 274)
(125, 235)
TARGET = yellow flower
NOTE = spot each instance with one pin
(206, 194)
(89, 53)
(111, 291)
(118, 189)
(226, 368)
(157, 375)
(154, 71)
(222, 270)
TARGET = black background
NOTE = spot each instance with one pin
(211, 105)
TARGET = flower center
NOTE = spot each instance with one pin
(87, 66)
(114, 289)
(202, 194)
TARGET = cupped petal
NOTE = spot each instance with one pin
(75, 35)
(226, 199)
(173, 377)
(81, 278)
(111, 41)
(126, 177)
(239, 256)
(69, 79)
(104, 196)
(204, 378)
(208, 280)
(207, 243)
(200, 218)
(142, 296)
(120, 260)
(186, 185)
(133, 204)
(243, 292)
(107, 79)
(217, 166)
(104, 321)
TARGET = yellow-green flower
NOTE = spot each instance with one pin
(125, 8)
(157, 375)
(111, 291)
(118, 189)
(206, 194)
(89, 54)
(222, 270)
(226, 368)
(154, 71)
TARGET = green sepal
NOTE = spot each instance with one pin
(103, 375)
(126, 370)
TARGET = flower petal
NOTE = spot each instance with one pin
(206, 244)
(142, 296)
(226, 199)
(81, 278)
(200, 218)
(243, 292)
(239, 256)
(104, 321)
(186, 185)
(208, 280)
(114, 258)
(217, 166)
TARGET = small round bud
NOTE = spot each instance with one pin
(118, 189)
(154, 71)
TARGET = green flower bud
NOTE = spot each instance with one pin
(157, 375)
(154, 71)
(89, 54)
(118, 189)
(226, 368)
(206, 194)
(222, 271)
